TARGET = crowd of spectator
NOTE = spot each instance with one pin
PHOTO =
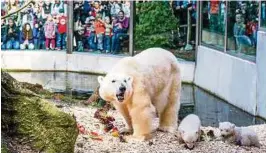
(100, 25)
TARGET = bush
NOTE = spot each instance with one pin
(155, 21)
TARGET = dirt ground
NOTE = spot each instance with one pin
(161, 142)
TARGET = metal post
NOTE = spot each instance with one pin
(200, 20)
(198, 27)
(70, 27)
(226, 24)
(259, 14)
(131, 28)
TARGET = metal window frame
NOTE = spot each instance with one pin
(198, 34)
(200, 24)
(200, 30)
(226, 29)
(131, 28)
(260, 27)
(70, 27)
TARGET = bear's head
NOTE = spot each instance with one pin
(190, 138)
(226, 128)
(115, 87)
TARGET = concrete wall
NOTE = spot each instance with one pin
(228, 77)
(261, 72)
(79, 62)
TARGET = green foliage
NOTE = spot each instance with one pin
(155, 21)
(4, 148)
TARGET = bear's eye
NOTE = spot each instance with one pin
(125, 81)
(227, 130)
(113, 81)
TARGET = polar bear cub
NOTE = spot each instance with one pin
(242, 136)
(189, 130)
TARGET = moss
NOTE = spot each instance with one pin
(4, 148)
(30, 117)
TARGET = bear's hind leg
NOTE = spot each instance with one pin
(169, 116)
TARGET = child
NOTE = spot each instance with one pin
(61, 36)
(38, 36)
(12, 37)
(239, 33)
(87, 32)
(108, 35)
(92, 38)
(99, 30)
(79, 34)
(26, 37)
(3, 34)
(49, 31)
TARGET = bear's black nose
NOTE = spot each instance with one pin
(122, 88)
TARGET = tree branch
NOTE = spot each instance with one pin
(23, 7)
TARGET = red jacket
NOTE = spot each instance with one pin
(214, 7)
(99, 27)
(62, 25)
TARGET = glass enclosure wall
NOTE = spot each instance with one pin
(231, 26)
(27, 25)
(242, 27)
(167, 24)
(213, 23)
(101, 26)
(104, 26)
(263, 14)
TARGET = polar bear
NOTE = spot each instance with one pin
(141, 85)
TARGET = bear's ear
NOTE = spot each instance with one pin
(233, 125)
(130, 79)
(100, 79)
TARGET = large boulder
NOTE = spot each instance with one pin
(31, 118)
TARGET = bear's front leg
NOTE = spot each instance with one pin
(124, 112)
(142, 122)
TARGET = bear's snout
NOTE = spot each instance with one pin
(122, 88)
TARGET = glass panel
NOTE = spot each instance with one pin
(242, 28)
(101, 26)
(263, 14)
(213, 23)
(40, 25)
(166, 24)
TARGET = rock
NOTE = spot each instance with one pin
(80, 144)
(26, 114)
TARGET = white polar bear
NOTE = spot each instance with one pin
(138, 85)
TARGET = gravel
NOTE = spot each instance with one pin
(160, 143)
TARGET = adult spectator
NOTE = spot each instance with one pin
(120, 28)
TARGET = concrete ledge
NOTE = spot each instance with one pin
(228, 77)
(76, 62)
